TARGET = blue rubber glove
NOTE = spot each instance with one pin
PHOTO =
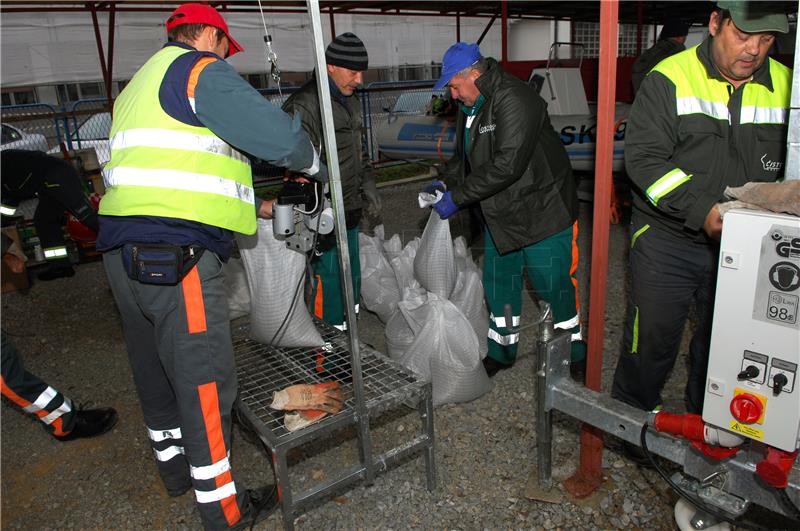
(435, 186)
(445, 206)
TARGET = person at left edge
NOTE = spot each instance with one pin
(178, 175)
(57, 185)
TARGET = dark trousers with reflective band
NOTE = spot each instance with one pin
(32, 394)
(327, 295)
(62, 192)
(667, 275)
(179, 346)
(551, 265)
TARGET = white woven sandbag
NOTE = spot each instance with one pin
(403, 266)
(379, 290)
(434, 264)
(235, 280)
(399, 334)
(445, 350)
(273, 274)
(468, 295)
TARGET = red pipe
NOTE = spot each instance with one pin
(639, 20)
(589, 476)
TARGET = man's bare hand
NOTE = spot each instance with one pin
(14, 263)
(713, 223)
(325, 397)
(265, 211)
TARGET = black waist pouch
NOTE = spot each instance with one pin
(159, 263)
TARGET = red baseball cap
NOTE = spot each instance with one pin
(202, 14)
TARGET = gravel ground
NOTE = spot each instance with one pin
(69, 333)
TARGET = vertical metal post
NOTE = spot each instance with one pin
(112, 15)
(335, 183)
(792, 171)
(639, 19)
(458, 27)
(504, 30)
(99, 40)
(333, 24)
(544, 418)
(589, 476)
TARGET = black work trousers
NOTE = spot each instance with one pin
(667, 275)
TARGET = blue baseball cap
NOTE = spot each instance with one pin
(458, 57)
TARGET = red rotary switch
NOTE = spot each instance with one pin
(746, 408)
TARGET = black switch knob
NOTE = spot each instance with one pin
(779, 381)
(749, 373)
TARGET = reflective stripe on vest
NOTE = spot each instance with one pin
(7, 210)
(163, 167)
(696, 93)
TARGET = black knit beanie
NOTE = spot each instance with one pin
(674, 28)
(347, 51)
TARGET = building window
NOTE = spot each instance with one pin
(6, 98)
(91, 90)
(588, 34)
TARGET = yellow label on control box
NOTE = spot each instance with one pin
(746, 430)
(763, 399)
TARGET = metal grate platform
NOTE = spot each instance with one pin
(263, 370)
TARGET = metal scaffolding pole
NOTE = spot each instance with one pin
(792, 171)
(335, 183)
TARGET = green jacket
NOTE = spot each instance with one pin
(354, 163)
(651, 57)
(516, 167)
(690, 135)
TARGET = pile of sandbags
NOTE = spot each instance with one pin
(430, 296)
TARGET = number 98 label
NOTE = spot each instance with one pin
(782, 307)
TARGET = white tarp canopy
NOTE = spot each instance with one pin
(47, 48)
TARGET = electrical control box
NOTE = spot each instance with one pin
(752, 387)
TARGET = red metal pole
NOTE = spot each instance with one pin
(96, 25)
(112, 15)
(589, 475)
(504, 30)
(639, 19)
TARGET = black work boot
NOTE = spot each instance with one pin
(263, 501)
(54, 272)
(493, 366)
(91, 423)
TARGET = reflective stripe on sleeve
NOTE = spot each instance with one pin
(666, 184)
(163, 435)
(7, 210)
(168, 139)
(168, 453)
(211, 471)
(763, 115)
(44, 398)
(179, 180)
(695, 105)
(504, 340)
(66, 407)
(211, 496)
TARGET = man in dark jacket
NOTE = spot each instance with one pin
(670, 42)
(707, 118)
(346, 59)
(510, 165)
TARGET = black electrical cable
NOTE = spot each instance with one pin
(689, 497)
